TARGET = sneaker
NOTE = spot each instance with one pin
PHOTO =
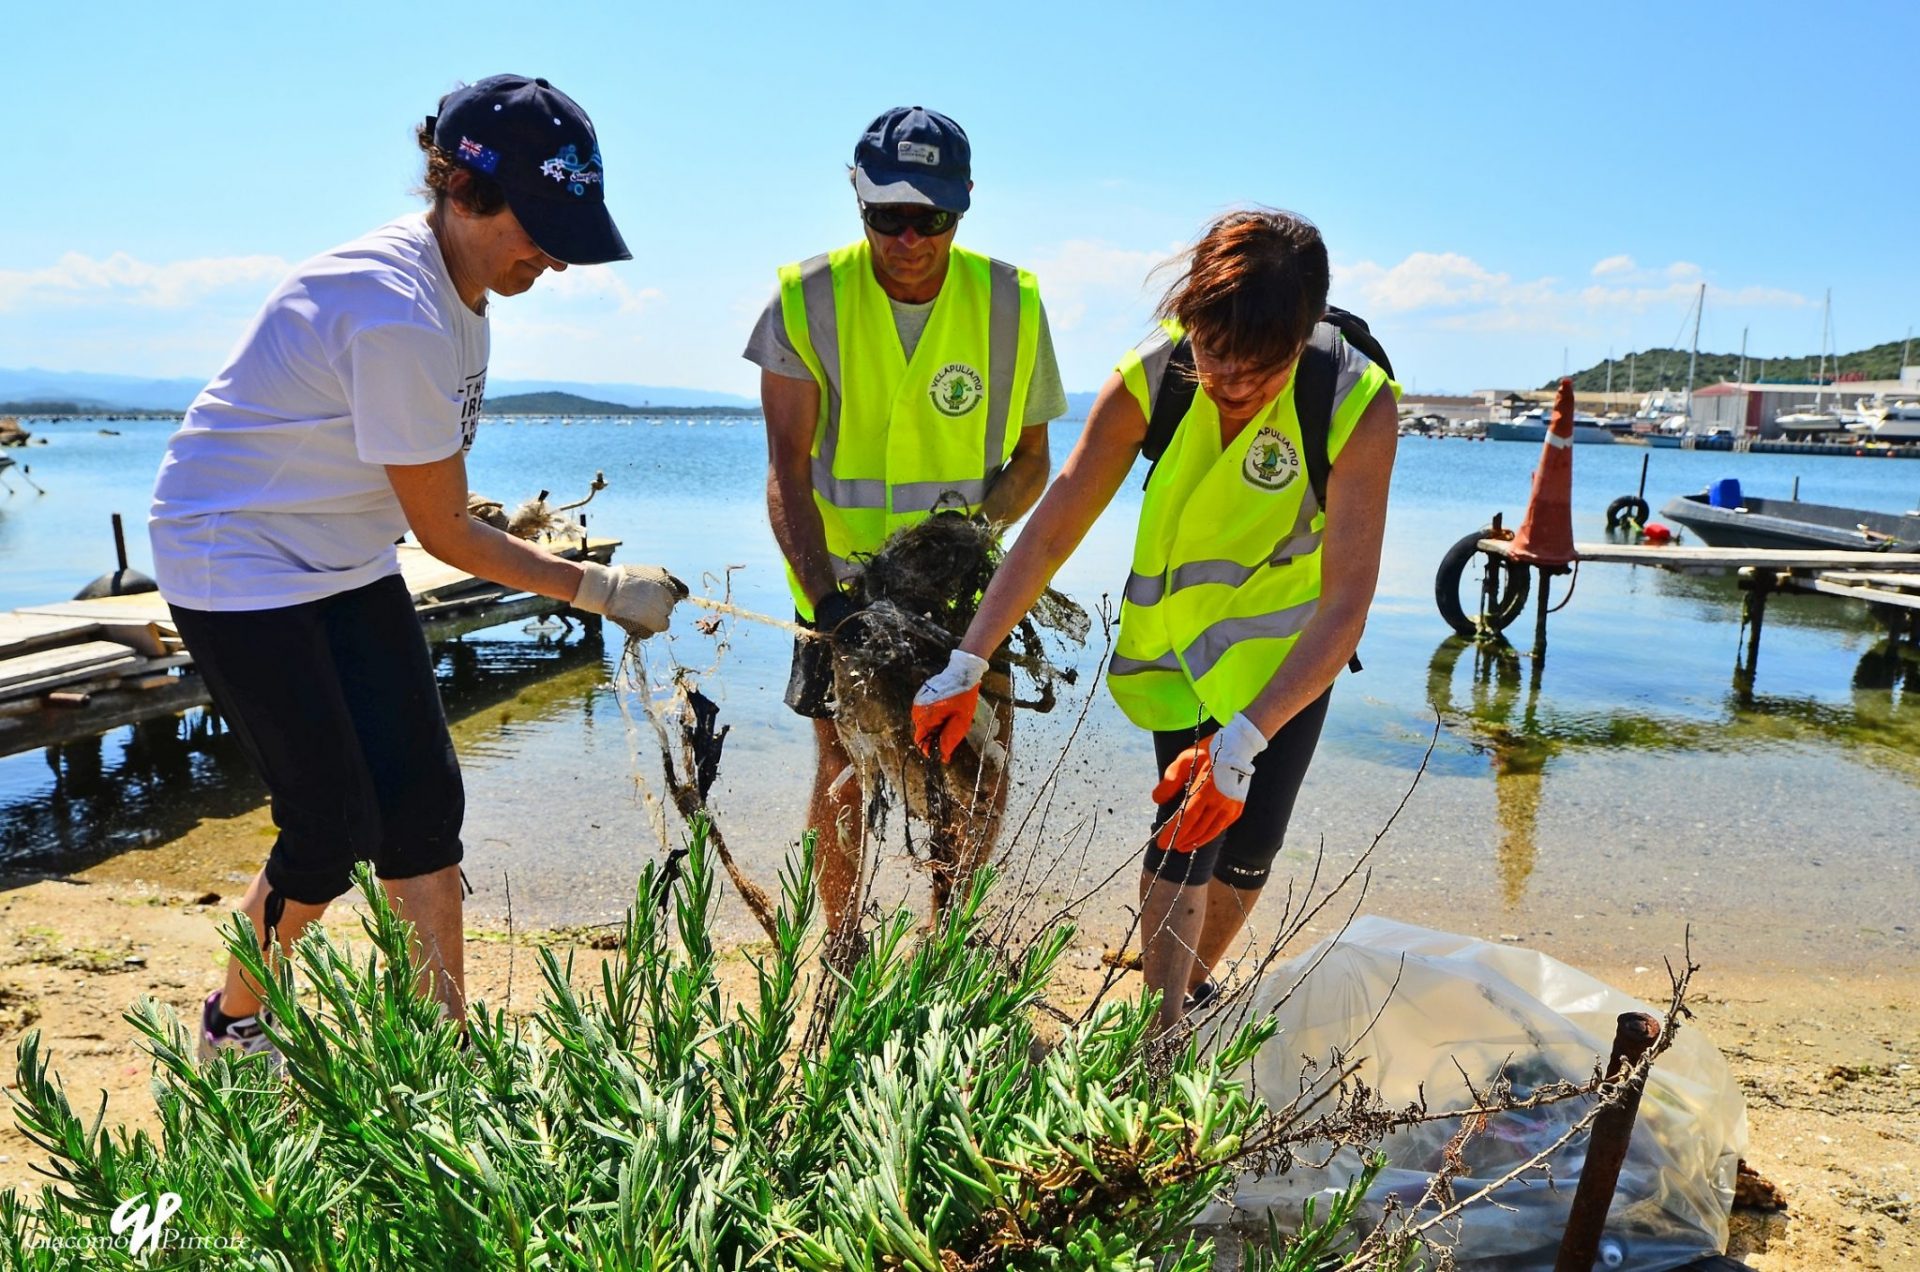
(1203, 993)
(243, 1033)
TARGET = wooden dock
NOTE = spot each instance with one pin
(1675, 557)
(1888, 582)
(73, 669)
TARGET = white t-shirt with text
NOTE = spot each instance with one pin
(273, 491)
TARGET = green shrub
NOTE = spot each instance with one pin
(652, 1124)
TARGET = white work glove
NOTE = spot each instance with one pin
(638, 597)
(1211, 778)
(944, 709)
(1234, 749)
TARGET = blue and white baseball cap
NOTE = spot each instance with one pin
(540, 146)
(914, 155)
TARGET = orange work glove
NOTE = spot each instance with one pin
(943, 709)
(1213, 775)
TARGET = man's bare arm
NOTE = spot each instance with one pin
(791, 408)
(1018, 487)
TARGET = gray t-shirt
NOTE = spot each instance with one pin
(769, 348)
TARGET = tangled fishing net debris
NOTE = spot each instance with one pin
(917, 595)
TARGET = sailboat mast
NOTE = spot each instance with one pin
(1743, 355)
(1693, 360)
(1609, 377)
(1820, 377)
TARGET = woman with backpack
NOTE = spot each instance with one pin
(1272, 442)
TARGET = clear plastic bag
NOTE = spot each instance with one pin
(1487, 1007)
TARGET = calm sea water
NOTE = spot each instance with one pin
(1629, 782)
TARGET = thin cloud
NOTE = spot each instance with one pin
(1457, 293)
(1082, 277)
(123, 279)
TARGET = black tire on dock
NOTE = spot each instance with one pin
(1509, 604)
(1628, 508)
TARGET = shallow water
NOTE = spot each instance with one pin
(1628, 779)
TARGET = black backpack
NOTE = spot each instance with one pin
(1312, 393)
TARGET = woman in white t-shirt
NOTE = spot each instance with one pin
(340, 422)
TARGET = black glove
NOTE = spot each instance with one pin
(830, 615)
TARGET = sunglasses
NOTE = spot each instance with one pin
(891, 221)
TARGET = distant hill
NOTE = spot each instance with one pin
(650, 395)
(575, 404)
(1667, 368)
(96, 391)
(91, 391)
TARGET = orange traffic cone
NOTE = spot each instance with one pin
(1546, 536)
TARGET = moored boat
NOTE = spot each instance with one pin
(1723, 517)
(1532, 427)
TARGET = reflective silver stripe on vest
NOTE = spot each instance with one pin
(1003, 357)
(1147, 589)
(925, 496)
(823, 329)
(1120, 666)
(847, 492)
(1155, 352)
(1212, 645)
(1353, 365)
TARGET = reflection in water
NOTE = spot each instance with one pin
(1503, 716)
(152, 782)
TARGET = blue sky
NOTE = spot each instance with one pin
(1497, 183)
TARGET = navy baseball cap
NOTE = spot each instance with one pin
(914, 155)
(540, 146)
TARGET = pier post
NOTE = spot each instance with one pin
(1634, 1033)
(1540, 619)
(1757, 584)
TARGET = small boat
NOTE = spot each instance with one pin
(1888, 422)
(1532, 427)
(1723, 517)
(1810, 422)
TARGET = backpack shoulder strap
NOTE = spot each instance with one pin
(1318, 373)
(1313, 382)
(1170, 404)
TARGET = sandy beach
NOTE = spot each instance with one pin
(1827, 1058)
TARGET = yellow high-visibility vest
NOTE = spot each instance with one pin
(1226, 562)
(897, 438)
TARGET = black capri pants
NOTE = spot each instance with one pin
(335, 705)
(1242, 855)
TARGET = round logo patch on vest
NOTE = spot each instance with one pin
(1272, 462)
(956, 389)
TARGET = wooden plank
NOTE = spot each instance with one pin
(1724, 558)
(451, 603)
(1868, 577)
(98, 677)
(110, 709)
(49, 662)
(141, 607)
(24, 633)
(1825, 585)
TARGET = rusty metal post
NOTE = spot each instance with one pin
(1753, 613)
(1540, 618)
(1606, 1148)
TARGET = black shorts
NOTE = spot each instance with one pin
(335, 704)
(1242, 855)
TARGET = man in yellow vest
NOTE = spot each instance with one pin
(899, 374)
